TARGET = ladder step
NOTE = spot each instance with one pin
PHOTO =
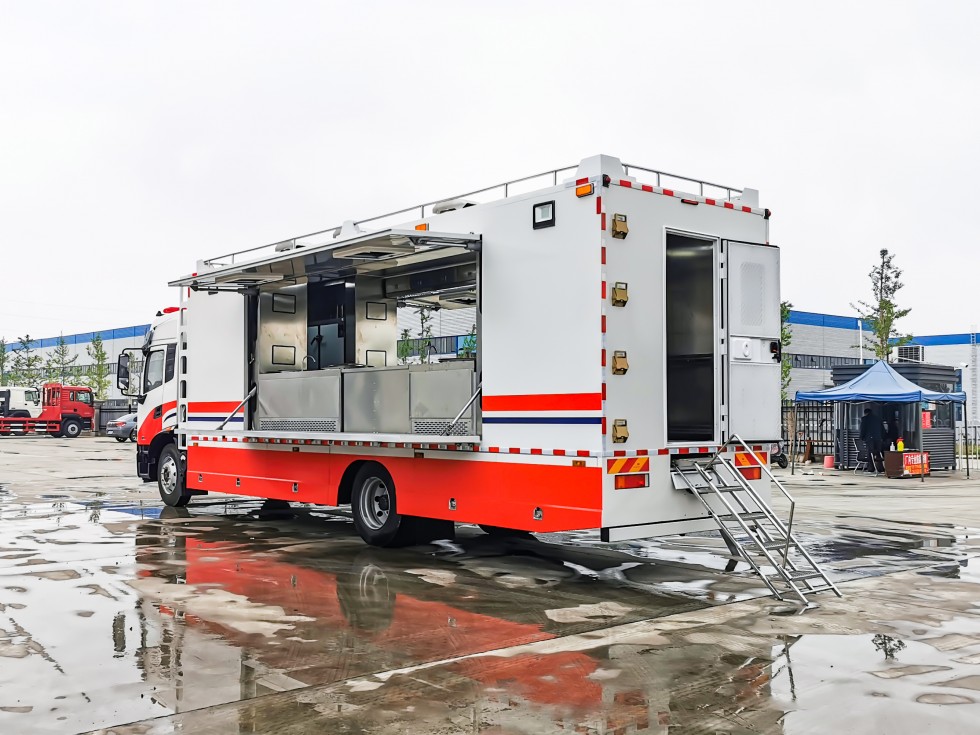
(778, 544)
(797, 576)
(720, 488)
(753, 516)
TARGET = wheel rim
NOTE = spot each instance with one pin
(374, 503)
(168, 476)
(72, 430)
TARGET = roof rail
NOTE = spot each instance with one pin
(419, 210)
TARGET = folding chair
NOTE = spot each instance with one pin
(863, 455)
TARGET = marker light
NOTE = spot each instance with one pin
(626, 482)
(423, 226)
(584, 190)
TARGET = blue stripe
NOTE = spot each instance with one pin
(219, 419)
(542, 419)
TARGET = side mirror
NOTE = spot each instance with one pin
(122, 373)
(128, 370)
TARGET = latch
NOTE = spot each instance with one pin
(620, 293)
(620, 432)
(619, 227)
(619, 362)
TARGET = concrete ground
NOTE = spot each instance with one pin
(120, 616)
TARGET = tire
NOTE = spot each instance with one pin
(501, 532)
(374, 503)
(132, 436)
(170, 478)
(782, 461)
(71, 429)
(120, 439)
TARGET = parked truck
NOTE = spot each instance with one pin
(626, 376)
(20, 402)
(65, 410)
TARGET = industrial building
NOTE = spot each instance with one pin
(819, 342)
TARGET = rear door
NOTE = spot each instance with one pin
(753, 340)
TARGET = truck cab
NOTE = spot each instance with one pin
(20, 402)
(148, 374)
(67, 409)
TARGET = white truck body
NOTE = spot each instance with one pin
(286, 381)
(20, 401)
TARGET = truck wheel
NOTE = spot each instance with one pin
(374, 509)
(170, 478)
(71, 428)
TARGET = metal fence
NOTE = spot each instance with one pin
(808, 428)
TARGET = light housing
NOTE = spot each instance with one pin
(584, 190)
(627, 482)
(543, 215)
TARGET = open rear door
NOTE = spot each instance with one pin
(753, 335)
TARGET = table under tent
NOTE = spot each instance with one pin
(896, 400)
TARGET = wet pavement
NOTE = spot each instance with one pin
(118, 615)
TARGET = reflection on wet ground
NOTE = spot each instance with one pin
(229, 619)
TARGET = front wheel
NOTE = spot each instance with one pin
(71, 428)
(170, 478)
(374, 509)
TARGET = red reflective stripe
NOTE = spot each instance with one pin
(662, 452)
(603, 225)
(603, 290)
(536, 451)
(209, 406)
(646, 187)
(603, 254)
(668, 192)
(627, 184)
(545, 402)
(709, 201)
(729, 205)
(747, 209)
(598, 205)
(579, 182)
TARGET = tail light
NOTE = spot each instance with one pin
(625, 482)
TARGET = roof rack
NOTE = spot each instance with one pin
(490, 193)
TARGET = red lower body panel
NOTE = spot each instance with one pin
(496, 493)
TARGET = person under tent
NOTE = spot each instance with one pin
(872, 434)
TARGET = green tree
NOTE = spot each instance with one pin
(405, 346)
(98, 372)
(882, 313)
(425, 333)
(785, 337)
(468, 348)
(4, 361)
(60, 363)
(27, 363)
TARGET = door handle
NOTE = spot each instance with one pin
(157, 412)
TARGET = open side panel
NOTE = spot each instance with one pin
(753, 338)
(213, 350)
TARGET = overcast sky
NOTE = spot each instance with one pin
(139, 137)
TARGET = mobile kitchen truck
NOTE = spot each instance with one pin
(626, 377)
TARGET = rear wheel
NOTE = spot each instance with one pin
(71, 428)
(374, 507)
(170, 478)
(132, 436)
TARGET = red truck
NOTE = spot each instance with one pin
(67, 410)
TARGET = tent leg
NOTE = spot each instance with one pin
(922, 449)
(966, 441)
(792, 442)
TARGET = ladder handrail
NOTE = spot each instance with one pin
(772, 477)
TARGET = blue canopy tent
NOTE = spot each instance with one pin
(881, 383)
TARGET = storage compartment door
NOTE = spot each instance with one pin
(753, 327)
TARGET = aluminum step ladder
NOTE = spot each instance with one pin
(750, 527)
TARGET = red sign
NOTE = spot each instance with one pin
(927, 420)
(915, 463)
